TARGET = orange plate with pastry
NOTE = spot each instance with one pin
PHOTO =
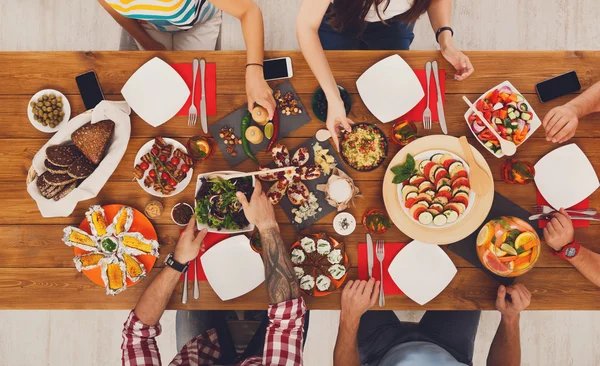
(320, 264)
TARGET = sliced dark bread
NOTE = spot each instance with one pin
(65, 191)
(62, 155)
(81, 168)
(93, 139)
(55, 169)
(58, 179)
(46, 190)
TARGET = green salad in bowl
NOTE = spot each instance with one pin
(217, 206)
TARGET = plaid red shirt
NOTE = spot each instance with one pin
(283, 343)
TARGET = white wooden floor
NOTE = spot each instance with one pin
(32, 338)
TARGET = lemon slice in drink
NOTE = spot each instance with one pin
(523, 239)
(508, 249)
(485, 234)
(269, 130)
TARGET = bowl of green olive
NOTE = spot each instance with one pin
(48, 109)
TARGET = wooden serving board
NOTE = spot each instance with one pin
(454, 233)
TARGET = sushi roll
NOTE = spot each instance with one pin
(324, 283)
(122, 221)
(335, 256)
(307, 283)
(337, 271)
(97, 219)
(109, 244)
(88, 261)
(298, 256)
(135, 269)
(75, 237)
(136, 244)
(114, 276)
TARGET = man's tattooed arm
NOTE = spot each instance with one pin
(279, 271)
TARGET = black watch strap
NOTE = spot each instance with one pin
(171, 262)
(442, 29)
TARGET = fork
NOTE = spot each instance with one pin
(543, 209)
(427, 111)
(193, 112)
(380, 252)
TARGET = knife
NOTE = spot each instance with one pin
(549, 217)
(370, 255)
(203, 120)
(440, 105)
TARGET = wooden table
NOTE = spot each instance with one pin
(36, 268)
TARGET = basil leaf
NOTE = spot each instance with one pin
(398, 169)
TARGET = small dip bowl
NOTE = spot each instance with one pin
(182, 213)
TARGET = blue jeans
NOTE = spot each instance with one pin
(454, 331)
(376, 36)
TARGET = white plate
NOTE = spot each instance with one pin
(426, 155)
(535, 122)
(156, 92)
(232, 268)
(66, 109)
(200, 226)
(422, 271)
(146, 149)
(565, 176)
(390, 88)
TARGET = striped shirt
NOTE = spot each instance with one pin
(166, 15)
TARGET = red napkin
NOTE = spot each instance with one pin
(416, 114)
(209, 240)
(580, 206)
(391, 249)
(210, 87)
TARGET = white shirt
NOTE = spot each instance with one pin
(396, 7)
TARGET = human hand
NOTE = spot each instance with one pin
(337, 120)
(520, 298)
(459, 60)
(561, 123)
(152, 45)
(189, 244)
(258, 91)
(259, 211)
(357, 298)
(559, 231)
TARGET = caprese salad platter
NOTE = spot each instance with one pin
(508, 112)
(438, 193)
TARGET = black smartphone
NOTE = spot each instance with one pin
(278, 68)
(89, 88)
(558, 86)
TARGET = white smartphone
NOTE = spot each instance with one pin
(278, 68)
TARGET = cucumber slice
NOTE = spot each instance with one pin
(422, 165)
(425, 218)
(440, 220)
(451, 215)
(411, 195)
(437, 157)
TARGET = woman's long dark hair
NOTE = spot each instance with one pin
(350, 14)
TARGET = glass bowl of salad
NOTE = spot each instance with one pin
(217, 208)
(508, 246)
(509, 113)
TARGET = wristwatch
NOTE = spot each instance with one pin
(171, 262)
(569, 251)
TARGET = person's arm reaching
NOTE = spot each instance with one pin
(561, 122)
(440, 15)
(357, 298)
(307, 31)
(250, 16)
(134, 28)
(559, 232)
(506, 346)
(283, 339)
(141, 328)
